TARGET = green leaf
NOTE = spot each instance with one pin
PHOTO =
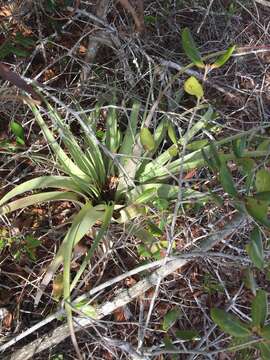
(197, 145)
(42, 182)
(146, 195)
(193, 87)
(173, 150)
(249, 280)
(170, 318)
(172, 134)
(239, 146)
(259, 308)
(229, 323)
(154, 229)
(113, 136)
(265, 332)
(226, 180)
(264, 145)
(262, 181)
(82, 223)
(257, 209)
(68, 165)
(17, 130)
(265, 351)
(130, 134)
(255, 248)
(86, 309)
(190, 48)
(147, 139)
(168, 344)
(187, 334)
(97, 239)
(223, 58)
(37, 199)
(263, 196)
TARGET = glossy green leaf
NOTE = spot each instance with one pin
(190, 48)
(17, 130)
(259, 308)
(262, 181)
(226, 180)
(147, 139)
(193, 87)
(170, 318)
(229, 323)
(223, 58)
(255, 248)
(187, 334)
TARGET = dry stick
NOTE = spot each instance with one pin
(126, 296)
(93, 44)
(115, 280)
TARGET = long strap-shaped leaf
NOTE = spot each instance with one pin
(165, 191)
(81, 224)
(37, 199)
(68, 165)
(101, 233)
(42, 182)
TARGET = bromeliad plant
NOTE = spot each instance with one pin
(109, 181)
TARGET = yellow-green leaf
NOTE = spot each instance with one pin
(193, 87)
(17, 130)
(147, 139)
(223, 58)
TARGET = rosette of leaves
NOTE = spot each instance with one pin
(114, 179)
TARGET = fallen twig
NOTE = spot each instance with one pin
(126, 296)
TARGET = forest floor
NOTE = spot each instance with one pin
(84, 52)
